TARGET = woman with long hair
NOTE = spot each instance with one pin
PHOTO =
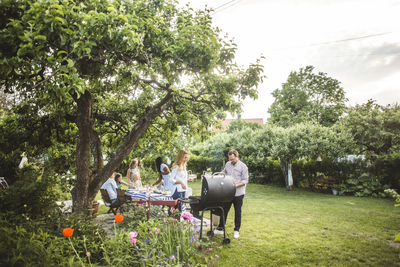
(179, 176)
(133, 174)
(163, 175)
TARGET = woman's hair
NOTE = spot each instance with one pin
(158, 163)
(133, 162)
(117, 176)
(179, 159)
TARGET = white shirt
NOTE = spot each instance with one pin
(178, 175)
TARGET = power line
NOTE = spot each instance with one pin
(224, 4)
(351, 39)
(335, 41)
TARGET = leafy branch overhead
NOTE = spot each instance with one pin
(118, 69)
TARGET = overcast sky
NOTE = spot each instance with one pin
(354, 41)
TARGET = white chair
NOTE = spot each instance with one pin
(3, 183)
(191, 176)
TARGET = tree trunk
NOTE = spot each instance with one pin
(287, 173)
(85, 125)
(127, 145)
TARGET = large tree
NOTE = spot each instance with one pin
(307, 140)
(375, 128)
(119, 71)
(308, 96)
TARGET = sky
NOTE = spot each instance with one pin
(356, 42)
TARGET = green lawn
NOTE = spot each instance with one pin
(300, 228)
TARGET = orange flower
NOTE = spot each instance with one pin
(118, 218)
(68, 232)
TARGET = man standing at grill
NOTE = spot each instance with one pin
(240, 173)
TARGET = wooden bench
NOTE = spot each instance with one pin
(323, 184)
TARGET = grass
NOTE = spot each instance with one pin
(301, 228)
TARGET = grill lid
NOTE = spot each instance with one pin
(216, 189)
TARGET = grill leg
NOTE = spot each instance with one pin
(223, 219)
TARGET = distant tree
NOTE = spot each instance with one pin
(375, 128)
(307, 96)
(121, 72)
(240, 124)
(307, 140)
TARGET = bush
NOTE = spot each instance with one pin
(199, 164)
(33, 194)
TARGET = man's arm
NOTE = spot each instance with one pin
(245, 177)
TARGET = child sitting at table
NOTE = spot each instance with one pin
(133, 175)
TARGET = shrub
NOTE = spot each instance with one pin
(198, 164)
(33, 194)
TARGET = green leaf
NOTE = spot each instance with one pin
(40, 37)
(70, 63)
(397, 237)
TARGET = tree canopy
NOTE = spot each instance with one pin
(375, 128)
(118, 72)
(308, 96)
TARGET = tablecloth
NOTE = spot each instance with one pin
(142, 196)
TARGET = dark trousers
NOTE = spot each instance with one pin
(177, 195)
(237, 204)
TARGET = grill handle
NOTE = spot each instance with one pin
(218, 173)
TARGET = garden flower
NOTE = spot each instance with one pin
(133, 234)
(172, 257)
(146, 241)
(88, 254)
(132, 237)
(158, 231)
(68, 232)
(220, 247)
(150, 233)
(187, 216)
(118, 218)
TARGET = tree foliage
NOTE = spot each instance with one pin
(375, 128)
(308, 96)
(121, 72)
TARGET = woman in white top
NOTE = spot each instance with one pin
(133, 174)
(179, 177)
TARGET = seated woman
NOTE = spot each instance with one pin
(133, 175)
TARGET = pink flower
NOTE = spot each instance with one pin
(133, 234)
(220, 247)
(132, 237)
(187, 216)
(158, 231)
(150, 233)
(164, 220)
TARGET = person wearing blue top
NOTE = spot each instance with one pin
(164, 177)
(111, 186)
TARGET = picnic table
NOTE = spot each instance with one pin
(155, 199)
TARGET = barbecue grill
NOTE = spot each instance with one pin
(217, 192)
